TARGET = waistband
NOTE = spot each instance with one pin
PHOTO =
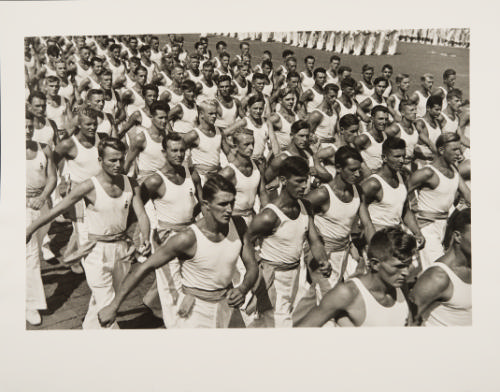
(108, 237)
(206, 169)
(336, 244)
(172, 226)
(327, 139)
(278, 266)
(425, 218)
(207, 295)
(35, 192)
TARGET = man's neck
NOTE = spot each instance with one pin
(214, 226)
(241, 161)
(441, 162)
(170, 168)
(405, 122)
(286, 200)
(387, 173)
(459, 258)
(85, 138)
(340, 184)
(204, 126)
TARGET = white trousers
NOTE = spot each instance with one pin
(35, 294)
(433, 234)
(105, 268)
(206, 314)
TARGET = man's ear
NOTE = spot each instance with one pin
(375, 264)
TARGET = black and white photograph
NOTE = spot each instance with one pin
(211, 192)
(248, 180)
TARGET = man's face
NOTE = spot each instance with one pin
(331, 96)
(409, 112)
(141, 77)
(435, 111)
(30, 128)
(288, 101)
(178, 75)
(320, 78)
(97, 67)
(257, 109)
(225, 88)
(344, 75)
(169, 62)
(116, 53)
(209, 114)
(295, 186)
(245, 49)
(395, 159)
(61, 70)
(159, 120)
(97, 102)
(133, 67)
(465, 243)
(291, 65)
(428, 83)
(452, 152)
(244, 145)
(224, 61)
(334, 64)
(351, 173)
(155, 44)
(450, 81)
(189, 95)
(244, 70)
(368, 75)
(85, 55)
(146, 53)
(221, 207)
(454, 103)
(176, 152)
(132, 43)
(88, 126)
(293, 83)
(208, 71)
(405, 84)
(112, 161)
(176, 51)
(194, 64)
(387, 73)
(301, 139)
(53, 88)
(106, 81)
(266, 69)
(38, 107)
(310, 64)
(149, 97)
(350, 133)
(394, 271)
(259, 84)
(348, 92)
(380, 88)
(221, 49)
(380, 121)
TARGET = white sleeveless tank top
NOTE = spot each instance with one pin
(177, 204)
(286, 243)
(168, 80)
(104, 126)
(193, 77)
(108, 215)
(151, 158)
(422, 104)
(457, 311)
(150, 70)
(445, 100)
(214, 263)
(206, 93)
(241, 92)
(246, 190)
(307, 82)
(433, 132)
(36, 171)
(365, 92)
(326, 127)
(81, 74)
(56, 114)
(397, 101)
(388, 211)
(372, 156)
(381, 316)
(228, 116)
(283, 135)
(44, 135)
(188, 121)
(410, 140)
(331, 79)
(451, 125)
(85, 164)
(344, 110)
(138, 103)
(67, 91)
(111, 105)
(337, 222)
(441, 199)
(207, 153)
(117, 71)
(145, 119)
(174, 97)
(156, 57)
(316, 101)
(268, 88)
(260, 135)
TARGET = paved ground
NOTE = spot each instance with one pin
(68, 294)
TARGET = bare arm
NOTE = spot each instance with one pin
(137, 145)
(423, 135)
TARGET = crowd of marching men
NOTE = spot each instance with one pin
(260, 195)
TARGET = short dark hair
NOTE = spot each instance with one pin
(392, 242)
(298, 125)
(308, 58)
(380, 79)
(330, 87)
(445, 138)
(256, 98)
(216, 183)
(318, 70)
(188, 85)
(334, 57)
(347, 120)
(287, 53)
(171, 136)
(268, 63)
(401, 76)
(94, 91)
(344, 68)
(111, 142)
(387, 66)
(294, 166)
(258, 75)
(149, 87)
(454, 93)
(393, 143)
(378, 108)
(159, 106)
(457, 221)
(223, 78)
(347, 82)
(344, 153)
(292, 74)
(434, 100)
(449, 72)
(405, 103)
(53, 51)
(367, 67)
(36, 94)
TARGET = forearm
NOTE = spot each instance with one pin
(49, 187)
(144, 226)
(411, 222)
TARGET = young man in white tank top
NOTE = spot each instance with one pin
(281, 121)
(173, 190)
(312, 98)
(375, 299)
(400, 94)
(108, 254)
(40, 182)
(58, 107)
(206, 87)
(346, 103)
(132, 97)
(44, 130)
(105, 121)
(429, 129)
(173, 94)
(142, 116)
(81, 162)
(228, 108)
(377, 98)
(184, 115)
(369, 143)
(208, 251)
(336, 205)
(443, 293)
(449, 119)
(365, 86)
(323, 120)
(421, 95)
(283, 226)
(437, 185)
(193, 68)
(92, 80)
(146, 146)
(449, 79)
(405, 129)
(153, 71)
(386, 194)
(116, 66)
(112, 101)
(307, 76)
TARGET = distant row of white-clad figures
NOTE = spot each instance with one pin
(362, 42)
